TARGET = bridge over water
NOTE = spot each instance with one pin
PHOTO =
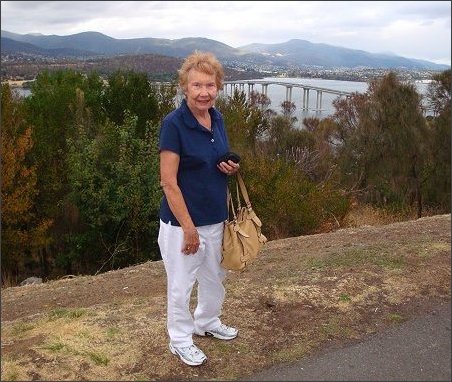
(230, 86)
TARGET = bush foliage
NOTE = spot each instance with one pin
(80, 166)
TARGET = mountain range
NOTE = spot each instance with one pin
(294, 53)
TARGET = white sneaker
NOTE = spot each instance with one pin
(191, 355)
(223, 332)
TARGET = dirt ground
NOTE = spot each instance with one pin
(302, 295)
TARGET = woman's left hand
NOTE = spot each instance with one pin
(229, 167)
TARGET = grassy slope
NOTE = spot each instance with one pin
(302, 295)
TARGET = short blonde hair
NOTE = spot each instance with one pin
(204, 62)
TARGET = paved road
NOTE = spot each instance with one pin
(417, 350)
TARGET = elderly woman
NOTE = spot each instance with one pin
(194, 208)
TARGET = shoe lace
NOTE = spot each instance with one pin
(224, 328)
(192, 350)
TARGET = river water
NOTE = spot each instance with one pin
(23, 92)
(277, 94)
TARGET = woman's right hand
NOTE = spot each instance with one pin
(191, 241)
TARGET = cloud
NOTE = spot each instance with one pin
(416, 29)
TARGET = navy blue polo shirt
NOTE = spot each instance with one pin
(203, 186)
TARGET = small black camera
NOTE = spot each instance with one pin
(229, 156)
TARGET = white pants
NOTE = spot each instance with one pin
(182, 271)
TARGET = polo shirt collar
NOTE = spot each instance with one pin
(190, 119)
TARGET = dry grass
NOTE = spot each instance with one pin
(301, 295)
(367, 215)
(7, 280)
(16, 83)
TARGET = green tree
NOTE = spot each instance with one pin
(286, 200)
(51, 111)
(102, 136)
(93, 88)
(438, 170)
(382, 135)
(115, 187)
(246, 120)
(288, 110)
(285, 197)
(166, 96)
(321, 158)
(132, 92)
(22, 233)
(439, 92)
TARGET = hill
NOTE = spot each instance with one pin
(292, 54)
(10, 46)
(302, 295)
(304, 53)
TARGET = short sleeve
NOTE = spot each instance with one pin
(169, 138)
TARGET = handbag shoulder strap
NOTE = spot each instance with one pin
(231, 205)
(243, 190)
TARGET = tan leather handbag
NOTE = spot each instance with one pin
(242, 238)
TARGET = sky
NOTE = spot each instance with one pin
(412, 29)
